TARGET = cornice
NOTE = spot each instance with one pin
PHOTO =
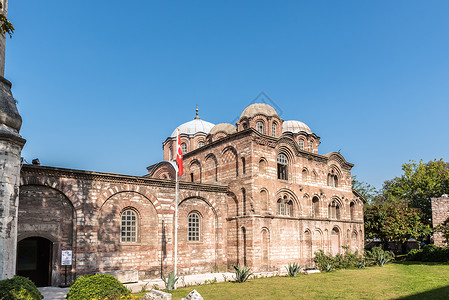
(33, 170)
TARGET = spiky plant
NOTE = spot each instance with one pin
(293, 269)
(170, 281)
(242, 273)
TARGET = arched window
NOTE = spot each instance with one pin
(194, 227)
(273, 129)
(128, 228)
(264, 200)
(200, 144)
(282, 166)
(301, 144)
(304, 175)
(351, 210)
(259, 127)
(244, 201)
(315, 207)
(311, 146)
(243, 165)
(334, 210)
(245, 125)
(170, 153)
(332, 179)
(285, 206)
(262, 166)
(184, 148)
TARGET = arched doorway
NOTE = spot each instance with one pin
(34, 260)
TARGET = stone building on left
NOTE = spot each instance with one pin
(11, 144)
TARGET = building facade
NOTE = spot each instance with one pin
(258, 193)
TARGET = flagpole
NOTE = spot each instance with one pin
(176, 216)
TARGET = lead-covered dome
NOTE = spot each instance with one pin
(223, 127)
(258, 109)
(295, 127)
(193, 127)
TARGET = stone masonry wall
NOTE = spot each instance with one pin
(97, 200)
(440, 213)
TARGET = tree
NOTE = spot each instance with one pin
(365, 189)
(395, 222)
(5, 25)
(420, 182)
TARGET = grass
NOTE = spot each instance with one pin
(404, 280)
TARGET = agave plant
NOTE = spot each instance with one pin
(293, 269)
(170, 281)
(379, 256)
(242, 273)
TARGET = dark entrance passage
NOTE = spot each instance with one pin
(34, 260)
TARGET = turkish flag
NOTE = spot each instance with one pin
(179, 157)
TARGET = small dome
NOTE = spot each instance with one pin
(258, 108)
(193, 127)
(295, 127)
(223, 127)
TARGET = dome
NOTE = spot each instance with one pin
(193, 127)
(258, 108)
(295, 127)
(223, 127)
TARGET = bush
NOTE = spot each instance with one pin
(98, 286)
(293, 269)
(429, 253)
(379, 256)
(19, 287)
(242, 273)
(329, 262)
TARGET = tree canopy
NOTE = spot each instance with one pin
(365, 189)
(420, 182)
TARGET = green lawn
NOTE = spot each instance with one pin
(393, 281)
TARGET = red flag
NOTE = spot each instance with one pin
(179, 156)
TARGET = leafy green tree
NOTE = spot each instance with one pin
(365, 189)
(420, 182)
(5, 25)
(395, 222)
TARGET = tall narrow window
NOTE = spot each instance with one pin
(315, 207)
(301, 144)
(184, 148)
(351, 210)
(128, 228)
(170, 154)
(273, 129)
(259, 127)
(194, 227)
(311, 146)
(262, 166)
(282, 166)
(243, 165)
(332, 179)
(334, 210)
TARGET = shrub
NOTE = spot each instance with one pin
(429, 253)
(98, 286)
(329, 262)
(293, 269)
(170, 281)
(242, 273)
(19, 287)
(379, 256)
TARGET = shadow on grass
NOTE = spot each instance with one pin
(428, 263)
(440, 293)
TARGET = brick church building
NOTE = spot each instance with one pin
(257, 193)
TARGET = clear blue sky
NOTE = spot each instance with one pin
(101, 84)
